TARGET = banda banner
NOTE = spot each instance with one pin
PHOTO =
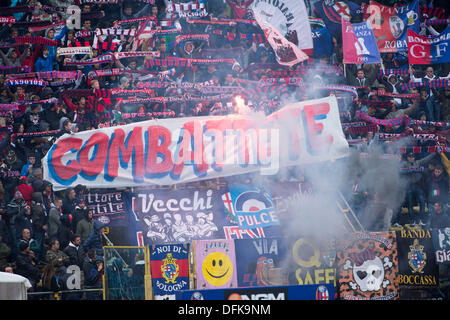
(367, 267)
(169, 266)
(260, 261)
(429, 50)
(312, 261)
(290, 17)
(108, 207)
(417, 265)
(390, 24)
(309, 292)
(215, 264)
(171, 151)
(286, 53)
(441, 242)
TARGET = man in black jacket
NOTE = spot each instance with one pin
(26, 265)
(75, 251)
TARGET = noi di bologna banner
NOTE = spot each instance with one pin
(172, 151)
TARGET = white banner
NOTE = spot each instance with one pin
(170, 151)
(288, 16)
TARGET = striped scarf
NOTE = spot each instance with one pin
(106, 58)
(384, 122)
(36, 39)
(436, 83)
(415, 136)
(435, 22)
(48, 75)
(230, 36)
(191, 37)
(11, 70)
(26, 82)
(429, 12)
(73, 51)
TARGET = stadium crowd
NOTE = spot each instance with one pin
(98, 85)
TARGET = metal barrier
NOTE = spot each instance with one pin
(57, 295)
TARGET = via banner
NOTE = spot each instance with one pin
(172, 151)
(416, 260)
(169, 266)
(429, 50)
(215, 264)
(367, 267)
(390, 24)
(260, 261)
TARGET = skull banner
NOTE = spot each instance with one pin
(367, 266)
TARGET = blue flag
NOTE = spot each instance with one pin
(331, 11)
(367, 42)
(323, 45)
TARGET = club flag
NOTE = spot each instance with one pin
(331, 12)
(351, 47)
(290, 18)
(429, 50)
(286, 52)
(323, 44)
(367, 43)
(389, 25)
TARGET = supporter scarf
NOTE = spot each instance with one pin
(416, 136)
(429, 149)
(221, 89)
(123, 55)
(147, 114)
(435, 22)
(430, 123)
(353, 124)
(36, 39)
(411, 169)
(115, 32)
(74, 50)
(152, 84)
(79, 44)
(397, 72)
(429, 12)
(437, 83)
(54, 9)
(7, 10)
(184, 7)
(230, 22)
(360, 130)
(9, 107)
(131, 21)
(400, 95)
(26, 82)
(84, 34)
(105, 45)
(230, 36)
(9, 173)
(184, 62)
(78, 2)
(7, 20)
(191, 37)
(106, 58)
(337, 87)
(35, 134)
(130, 93)
(48, 75)
(376, 104)
(384, 122)
(149, 34)
(10, 70)
(278, 81)
(47, 26)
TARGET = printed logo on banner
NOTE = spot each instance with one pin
(259, 262)
(312, 262)
(197, 296)
(441, 242)
(258, 294)
(170, 268)
(215, 263)
(253, 206)
(322, 293)
(168, 216)
(417, 265)
(367, 266)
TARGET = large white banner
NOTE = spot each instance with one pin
(170, 151)
(288, 16)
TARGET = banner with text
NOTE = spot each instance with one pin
(170, 151)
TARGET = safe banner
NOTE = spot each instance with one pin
(171, 151)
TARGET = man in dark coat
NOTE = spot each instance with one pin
(26, 264)
(40, 223)
(75, 251)
(69, 201)
(95, 240)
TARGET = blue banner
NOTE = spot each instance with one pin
(323, 45)
(307, 292)
(253, 206)
(331, 11)
(367, 42)
(259, 262)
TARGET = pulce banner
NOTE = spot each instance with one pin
(171, 151)
(169, 268)
(308, 292)
(417, 265)
(367, 266)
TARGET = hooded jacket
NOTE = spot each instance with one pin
(65, 232)
(38, 212)
(94, 241)
(85, 227)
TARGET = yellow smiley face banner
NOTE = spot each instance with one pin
(215, 264)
